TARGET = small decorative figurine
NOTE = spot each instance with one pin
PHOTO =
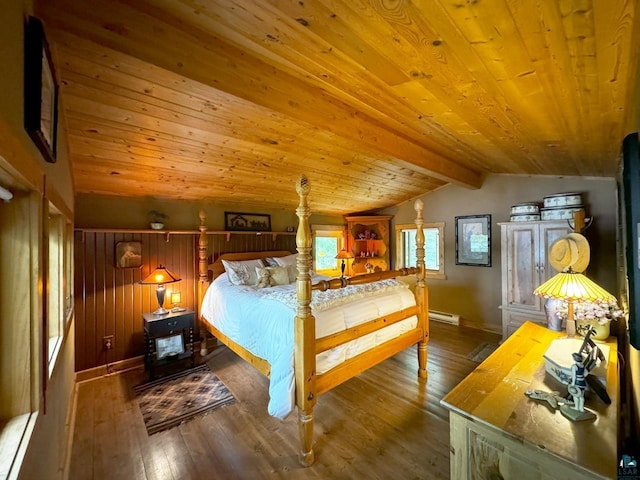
(576, 378)
(264, 279)
(577, 386)
(553, 400)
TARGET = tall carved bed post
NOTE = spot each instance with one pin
(305, 329)
(421, 289)
(203, 274)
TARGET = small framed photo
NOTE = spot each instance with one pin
(248, 222)
(473, 240)
(128, 254)
(40, 91)
(170, 346)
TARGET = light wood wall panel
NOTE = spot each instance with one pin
(110, 301)
(20, 305)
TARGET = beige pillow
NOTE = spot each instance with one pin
(242, 272)
(279, 275)
(290, 263)
(272, 276)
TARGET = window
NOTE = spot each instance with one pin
(328, 240)
(433, 247)
(55, 294)
(58, 281)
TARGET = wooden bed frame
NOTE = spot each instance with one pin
(309, 384)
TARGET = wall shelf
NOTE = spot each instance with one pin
(168, 233)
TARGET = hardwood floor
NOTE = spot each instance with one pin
(384, 424)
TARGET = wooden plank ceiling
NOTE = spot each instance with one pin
(377, 101)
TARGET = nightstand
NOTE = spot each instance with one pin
(168, 341)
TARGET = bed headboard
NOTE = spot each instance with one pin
(218, 269)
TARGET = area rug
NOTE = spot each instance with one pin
(482, 351)
(178, 398)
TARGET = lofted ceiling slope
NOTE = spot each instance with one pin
(376, 101)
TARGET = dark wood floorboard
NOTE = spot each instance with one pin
(385, 423)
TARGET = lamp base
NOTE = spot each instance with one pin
(178, 309)
(161, 311)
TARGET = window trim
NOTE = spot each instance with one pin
(335, 231)
(436, 274)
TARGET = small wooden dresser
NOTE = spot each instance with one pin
(498, 432)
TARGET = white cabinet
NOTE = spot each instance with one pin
(524, 267)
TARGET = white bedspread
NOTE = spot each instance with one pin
(261, 320)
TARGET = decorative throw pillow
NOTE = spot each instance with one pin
(279, 275)
(272, 276)
(242, 272)
(290, 263)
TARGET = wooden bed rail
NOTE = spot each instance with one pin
(335, 283)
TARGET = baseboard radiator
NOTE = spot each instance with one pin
(451, 318)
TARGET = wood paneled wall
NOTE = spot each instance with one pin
(109, 300)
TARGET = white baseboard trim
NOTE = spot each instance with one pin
(451, 318)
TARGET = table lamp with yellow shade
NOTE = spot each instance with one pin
(573, 287)
(176, 298)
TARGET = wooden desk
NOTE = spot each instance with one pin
(496, 429)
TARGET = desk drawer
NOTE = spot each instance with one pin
(164, 326)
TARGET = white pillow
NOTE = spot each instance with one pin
(274, 276)
(270, 261)
(242, 272)
(290, 262)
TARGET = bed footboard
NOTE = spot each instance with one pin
(308, 384)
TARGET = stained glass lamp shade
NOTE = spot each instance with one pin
(573, 287)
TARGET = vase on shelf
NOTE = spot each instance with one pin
(601, 330)
(554, 320)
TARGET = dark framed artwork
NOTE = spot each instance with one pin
(249, 222)
(473, 240)
(128, 254)
(40, 91)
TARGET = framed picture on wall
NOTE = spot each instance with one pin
(473, 240)
(254, 222)
(40, 91)
(128, 254)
